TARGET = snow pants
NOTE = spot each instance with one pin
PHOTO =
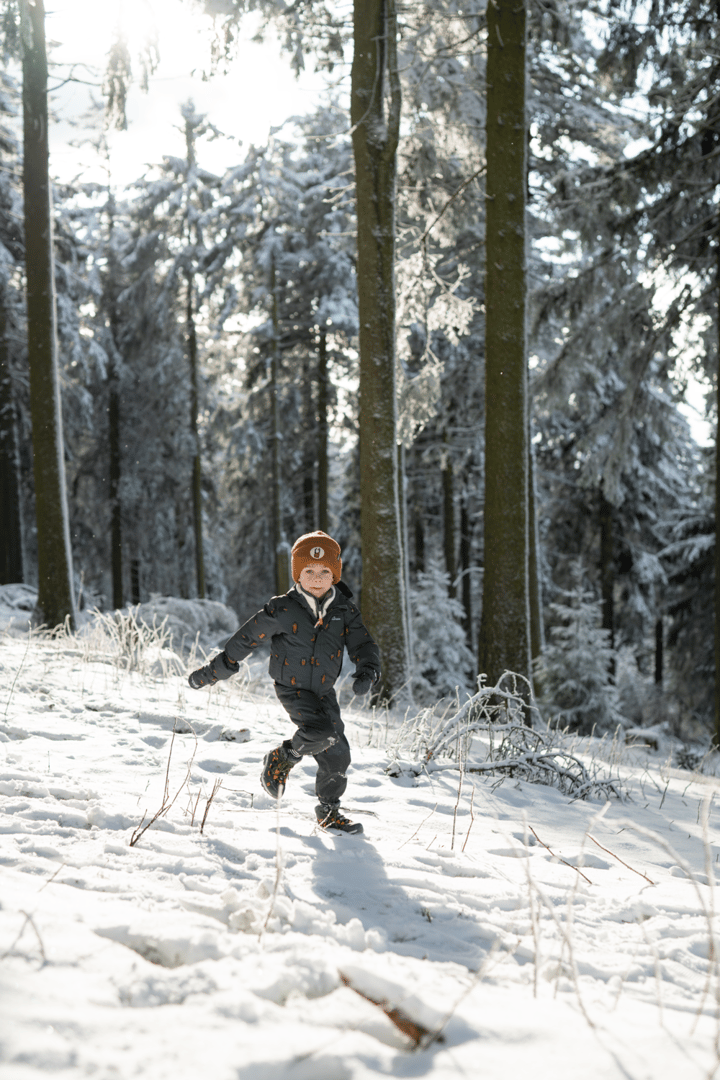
(320, 733)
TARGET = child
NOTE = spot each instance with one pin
(307, 629)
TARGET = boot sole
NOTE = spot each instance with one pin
(356, 830)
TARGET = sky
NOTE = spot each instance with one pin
(258, 92)
(539, 935)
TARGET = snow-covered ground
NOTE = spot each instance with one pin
(236, 951)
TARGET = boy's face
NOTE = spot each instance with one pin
(316, 579)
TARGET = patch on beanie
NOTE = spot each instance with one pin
(317, 552)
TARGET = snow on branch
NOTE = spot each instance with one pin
(488, 735)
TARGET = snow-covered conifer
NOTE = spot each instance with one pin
(574, 685)
(443, 663)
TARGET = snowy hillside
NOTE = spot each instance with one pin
(242, 950)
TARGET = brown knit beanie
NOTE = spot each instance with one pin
(313, 549)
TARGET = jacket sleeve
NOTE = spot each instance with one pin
(361, 648)
(257, 631)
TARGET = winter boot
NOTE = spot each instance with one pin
(329, 817)
(277, 764)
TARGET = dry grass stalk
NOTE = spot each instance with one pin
(564, 861)
(420, 826)
(216, 787)
(609, 852)
(167, 802)
(31, 922)
(472, 816)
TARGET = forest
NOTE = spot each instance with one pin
(450, 317)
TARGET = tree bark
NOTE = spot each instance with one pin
(419, 541)
(111, 288)
(309, 429)
(11, 561)
(607, 573)
(449, 539)
(716, 735)
(504, 641)
(135, 581)
(192, 352)
(323, 406)
(375, 118)
(116, 553)
(279, 539)
(465, 554)
(56, 601)
(537, 636)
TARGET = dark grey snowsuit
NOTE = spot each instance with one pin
(305, 662)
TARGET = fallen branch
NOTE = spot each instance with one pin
(416, 1032)
(496, 717)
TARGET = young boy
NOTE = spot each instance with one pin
(307, 629)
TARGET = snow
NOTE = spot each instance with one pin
(249, 950)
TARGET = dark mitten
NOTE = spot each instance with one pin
(220, 667)
(204, 676)
(363, 681)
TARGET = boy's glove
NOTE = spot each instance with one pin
(204, 676)
(363, 681)
(220, 667)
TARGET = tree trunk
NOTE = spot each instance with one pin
(716, 736)
(504, 642)
(116, 559)
(375, 128)
(56, 601)
(537, 636)
(465, 553)
(419, 541)
(309, 447)
(281, 546)
(110, 294)
(607, 573)
(659, 652)
(449, 523)
(405, 545)
(135, 581)
(11, 563)
(323, 405)
(192, 349)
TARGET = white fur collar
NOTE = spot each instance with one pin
(318, 608)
